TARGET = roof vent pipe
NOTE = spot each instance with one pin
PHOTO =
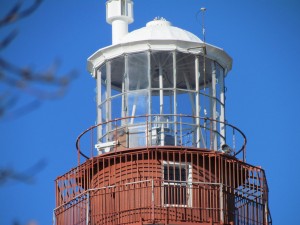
(119, 13)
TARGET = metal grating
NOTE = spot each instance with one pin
(162, 185)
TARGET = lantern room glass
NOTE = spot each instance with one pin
(151, 91)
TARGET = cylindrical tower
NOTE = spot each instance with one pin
(119, 14)
(161, 151)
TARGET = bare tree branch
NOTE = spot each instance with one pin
(17, 80)
(16, 13)
(8, 39)
(27, 176)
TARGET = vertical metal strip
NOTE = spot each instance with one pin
(222, 108)
(88, 209)
(197, 102)
(54, 218)
(149, 82)
(221, 204)
(125, 91)
(149, 111)
(108, 97)
(213, 110)
(161, 104)
(175, 96)
(98, 102)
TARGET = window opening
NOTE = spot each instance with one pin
(123, 8)
(177, 183)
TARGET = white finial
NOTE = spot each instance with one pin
(119, 13)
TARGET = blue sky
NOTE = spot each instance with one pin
(262, 37)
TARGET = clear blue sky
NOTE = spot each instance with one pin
(262, 37)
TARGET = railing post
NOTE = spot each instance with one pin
(147, 132)
(152, 199)
(78, 156)
(116, 135)
(181, 141)
(88, 209)
(244, 154)
(266, 213)
(92, 143)
(221, 205)
(54, 218)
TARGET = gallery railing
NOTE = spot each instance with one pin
(161, 200)
(161, 130)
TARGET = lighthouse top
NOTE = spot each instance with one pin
(159, 35)
(160, 29)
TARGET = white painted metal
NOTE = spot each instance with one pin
(161, 91)
(222, 107)
(161, 105)
(149, 80)
(98, 102)
(213, 105)
(154, 37)
(119, 30)
(175, 97)
(125, 89)
(108, 96)
(197, 100)
(160, 29)
(119, 13)
(179, 77)
(105, 147)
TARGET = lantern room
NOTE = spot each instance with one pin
(153, 77)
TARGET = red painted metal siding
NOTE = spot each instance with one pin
(132, 187)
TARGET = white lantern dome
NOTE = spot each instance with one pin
(160, 29)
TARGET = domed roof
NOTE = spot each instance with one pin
(160, 29)
(158, 35)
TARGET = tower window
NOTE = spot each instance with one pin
(123, 7)
(177, 178)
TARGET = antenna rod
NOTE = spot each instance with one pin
(203, 24)
(204, 47)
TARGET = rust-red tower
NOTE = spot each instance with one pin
(162, 152)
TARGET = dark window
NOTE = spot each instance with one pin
(175, 185)
(123, 7)
(174, 172)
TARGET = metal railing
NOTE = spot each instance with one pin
(160, 201)
(162, 130)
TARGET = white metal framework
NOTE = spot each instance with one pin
(166, 84)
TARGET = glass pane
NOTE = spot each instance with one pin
(162, 62)
(168, 102)
(205, 72)
(185, 71)
(174, 172)
(103, 83)
(137, 136)
(117, 73)
(138, 71)
(155, 103)
(138, 103)
(116, 102)
(186, 103)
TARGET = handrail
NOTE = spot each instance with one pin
(201, 126)
(135, 182)
(159, 183)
